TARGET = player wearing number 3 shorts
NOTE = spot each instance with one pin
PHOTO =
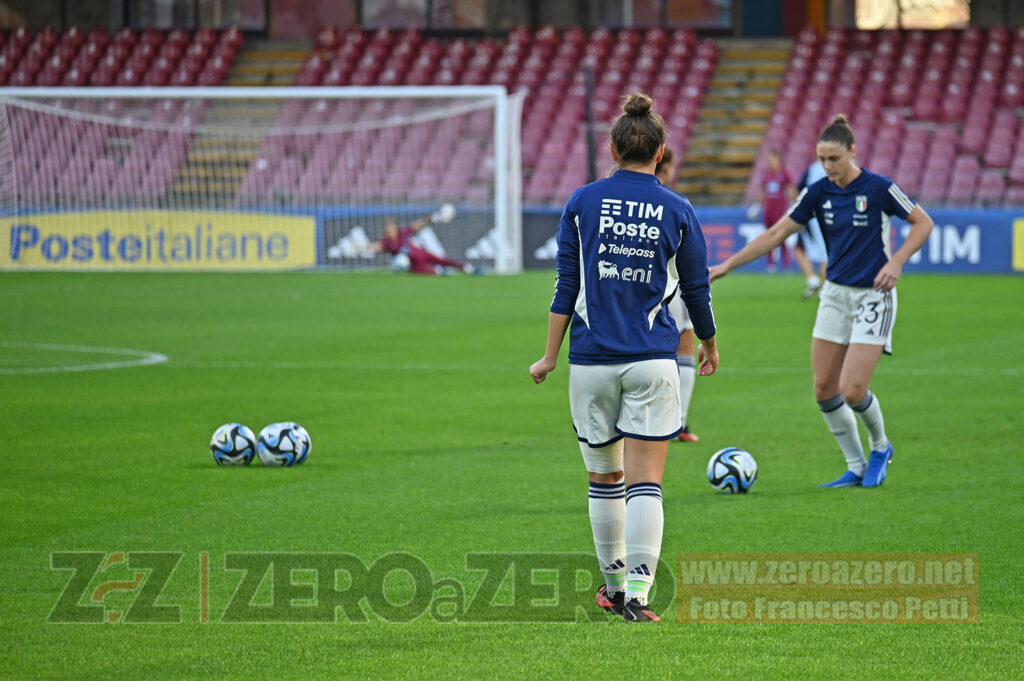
(857, 309)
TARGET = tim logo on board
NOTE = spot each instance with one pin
(158, 240)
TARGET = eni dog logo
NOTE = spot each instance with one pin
(607, 270)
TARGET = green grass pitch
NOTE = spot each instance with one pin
(431, 443)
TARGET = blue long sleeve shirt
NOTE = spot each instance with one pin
(626, 244)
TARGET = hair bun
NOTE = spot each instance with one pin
(840, 119)
(637, 104)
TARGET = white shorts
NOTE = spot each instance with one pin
(677, 309)
(638, 400)
(848, 314)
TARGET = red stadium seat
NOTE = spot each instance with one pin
(1017, 170)
(1015, 68)
(991, 187)
(197, 50)
(124, 36)
(73, 35)
(964, 180)
(1012, 95)
(129, 77)
(75, 78)
(172, 51)
(151, 36)
(162, 66)
(210, 78)
(328, 38)
(1014, 196)
(47, 37)
(183, 78)
(232, 36)
(335, 76)
(21, 38)
(935, 181)
(117, 52)
(205, 36)
(861, 40)
(177, 36)
(99, 37)
(21, 78)
(90, 52)
(143, 52)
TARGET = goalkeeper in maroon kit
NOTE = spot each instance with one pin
(398, 241)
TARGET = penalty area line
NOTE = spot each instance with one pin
(138, 358)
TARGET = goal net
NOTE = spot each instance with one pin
(253, 178)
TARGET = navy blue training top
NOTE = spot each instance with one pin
(625, 245)
(855, 222)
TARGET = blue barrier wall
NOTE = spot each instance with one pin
(964, 241)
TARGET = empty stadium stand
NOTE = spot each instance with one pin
(674, 66)
(62, 161)
(127, 58)
(939, 111)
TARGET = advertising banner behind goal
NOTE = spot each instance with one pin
(166, 240)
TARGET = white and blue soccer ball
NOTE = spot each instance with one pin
(732, 471)
(233, 444)
(281, 444)
(304, 440)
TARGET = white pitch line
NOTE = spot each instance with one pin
(428, 366)
(141, 358)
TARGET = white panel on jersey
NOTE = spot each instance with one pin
(671, 283)
(581, 297)
(887, 235)
(900, 197)
(797, 202)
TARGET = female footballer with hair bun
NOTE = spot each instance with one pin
(858, 300)
(625, 244)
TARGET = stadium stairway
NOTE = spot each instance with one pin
(269, 63)
(734, 115)
(261, 63)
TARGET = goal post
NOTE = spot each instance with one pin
(257, 177)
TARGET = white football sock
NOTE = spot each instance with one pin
(645, 521)
(687, 377)
(841, 421)
(870, 413)
(608, 522)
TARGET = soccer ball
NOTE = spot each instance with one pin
(401, 263)
(732, 471)
(281, 445)
(304, 440)
(233, 445)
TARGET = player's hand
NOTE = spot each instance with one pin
(717, 272)
(886, 278)
(540, 369)
(707, 357)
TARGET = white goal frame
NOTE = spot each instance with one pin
(507, 206)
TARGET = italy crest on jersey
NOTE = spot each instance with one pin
(861, 202)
